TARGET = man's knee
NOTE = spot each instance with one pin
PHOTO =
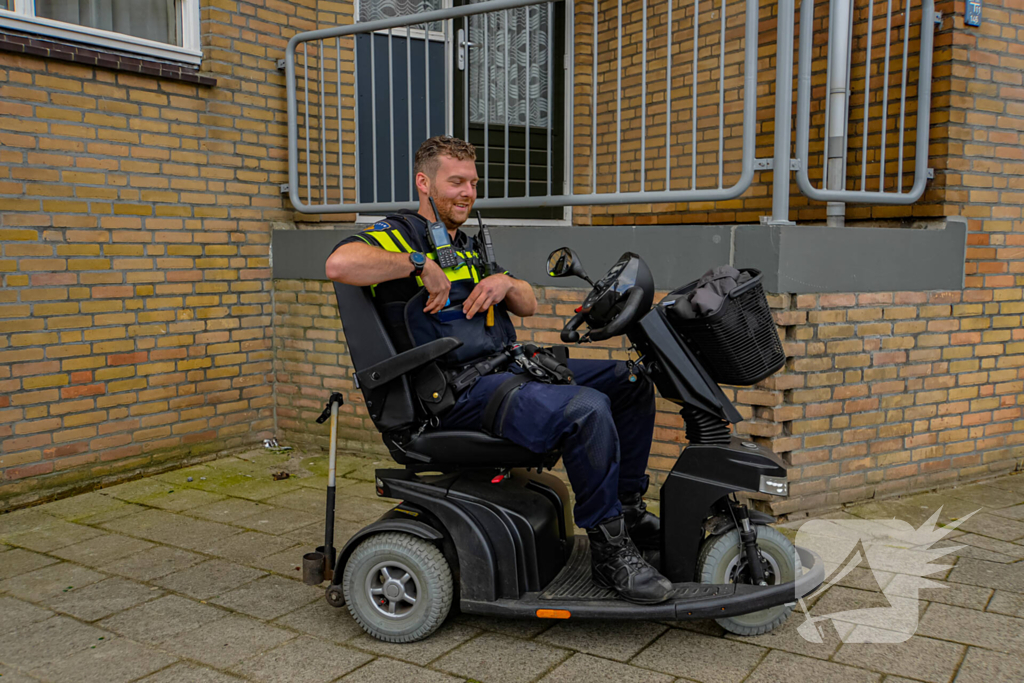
(588, 407)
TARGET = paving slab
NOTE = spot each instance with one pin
(227, 510)
(444, 640)
(46, 641)
(12, 676)
(156, 621)
(1015, 512)
(179, 499)
(123, 510)
(983, 666)
(981, 629)
(115, 661)
(788, 639)
(288, 562)
(302, 659)
(257, 488)
(153, 563)
(269, 597)
(18, 614)
(700, 658)
(226, 642)
(1007, 552)
(102, 599)
(581, 667)
(618, 640)
(271, 519)
(171, 529)
(325, 622)
(517, 628)
(56, 534)
(248, 547)
(189, 673)
(1005, 602)
(84, 505)
(984, 495)
(19, 561)
(383, 670)
(134, 491)
(25, 519)
(102, 550)
(784, 666)
(1008, 577)
(38, 585)
(208, 579)
(994, 526)
(920, 658)
(494, 658)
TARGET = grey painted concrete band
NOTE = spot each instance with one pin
(796, 259)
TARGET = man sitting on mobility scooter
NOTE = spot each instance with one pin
(603, 422)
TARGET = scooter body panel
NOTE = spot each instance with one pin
(703, 474)
(510, 535)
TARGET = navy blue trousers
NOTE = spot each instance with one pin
(603, 424)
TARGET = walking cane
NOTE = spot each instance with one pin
(319, 565)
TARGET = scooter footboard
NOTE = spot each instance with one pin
(690, 601)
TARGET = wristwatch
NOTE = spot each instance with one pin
(418, 261)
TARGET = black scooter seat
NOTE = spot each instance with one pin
(572, 594)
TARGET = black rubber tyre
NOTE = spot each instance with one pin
(335, 597)
(398, 587)
(718, 558)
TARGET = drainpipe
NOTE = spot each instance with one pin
(840, 25)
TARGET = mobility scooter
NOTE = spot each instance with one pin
(483, 528)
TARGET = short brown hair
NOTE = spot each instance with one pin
(429, 153)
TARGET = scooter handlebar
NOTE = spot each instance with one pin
(620, 322)
(569, 334)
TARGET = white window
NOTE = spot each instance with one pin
(163, 29)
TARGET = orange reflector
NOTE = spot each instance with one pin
(553, 614)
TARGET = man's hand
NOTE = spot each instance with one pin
(437, 284)
(486, 293)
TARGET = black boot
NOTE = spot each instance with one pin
(616, 563)
(644, 528)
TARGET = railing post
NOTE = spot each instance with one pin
(783, 112)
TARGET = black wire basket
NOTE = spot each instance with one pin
(738, 344)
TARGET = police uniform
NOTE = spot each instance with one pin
(603, 424)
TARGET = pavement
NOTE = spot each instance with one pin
(193, 575)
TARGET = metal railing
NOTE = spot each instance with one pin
(693, 119)
(562, 129)
(839, 91)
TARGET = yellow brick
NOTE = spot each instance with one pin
(45, 381)
(67, 308)
(89, 264)
(34, 339)
(13, 234)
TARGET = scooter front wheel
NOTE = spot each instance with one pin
(720, 561)
(398, 587)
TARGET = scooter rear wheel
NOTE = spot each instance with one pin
(720, 561)
(398, 587)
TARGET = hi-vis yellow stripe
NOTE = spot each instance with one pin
(383, 240)
(400, 245)
(398, 236)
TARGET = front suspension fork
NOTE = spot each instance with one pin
(748, 545)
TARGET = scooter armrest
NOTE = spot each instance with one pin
(389, 370)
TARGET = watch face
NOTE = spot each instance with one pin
(418, 259)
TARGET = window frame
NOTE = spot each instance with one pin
(22, 18)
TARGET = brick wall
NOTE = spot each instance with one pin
(139, 326)
(135, 215)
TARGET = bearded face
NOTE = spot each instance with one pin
(454, 190)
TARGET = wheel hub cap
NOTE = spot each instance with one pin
(392, 589)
